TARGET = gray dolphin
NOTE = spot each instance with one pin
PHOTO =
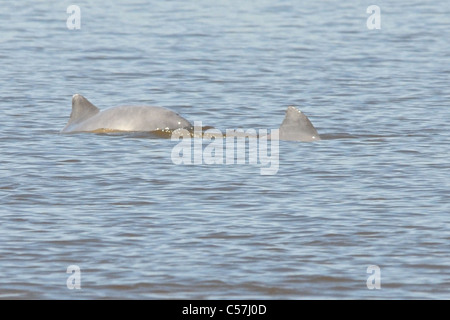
(86, 117)
(297, 127)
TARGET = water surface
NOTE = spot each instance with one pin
(375, 192)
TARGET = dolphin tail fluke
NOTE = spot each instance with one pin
(297, 127)
(82, 109)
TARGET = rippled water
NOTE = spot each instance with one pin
(375, 191)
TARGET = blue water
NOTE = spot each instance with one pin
(375, 191)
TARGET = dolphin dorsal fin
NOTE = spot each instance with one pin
(82, 109)
(297, 127)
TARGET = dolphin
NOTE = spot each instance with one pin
(86, 117)
(297, 127)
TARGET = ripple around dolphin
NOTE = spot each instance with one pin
(167, 134)
(333, 136)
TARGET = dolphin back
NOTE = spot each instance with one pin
(86, 117)
(297, 127)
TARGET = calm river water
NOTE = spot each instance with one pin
(375, 191)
